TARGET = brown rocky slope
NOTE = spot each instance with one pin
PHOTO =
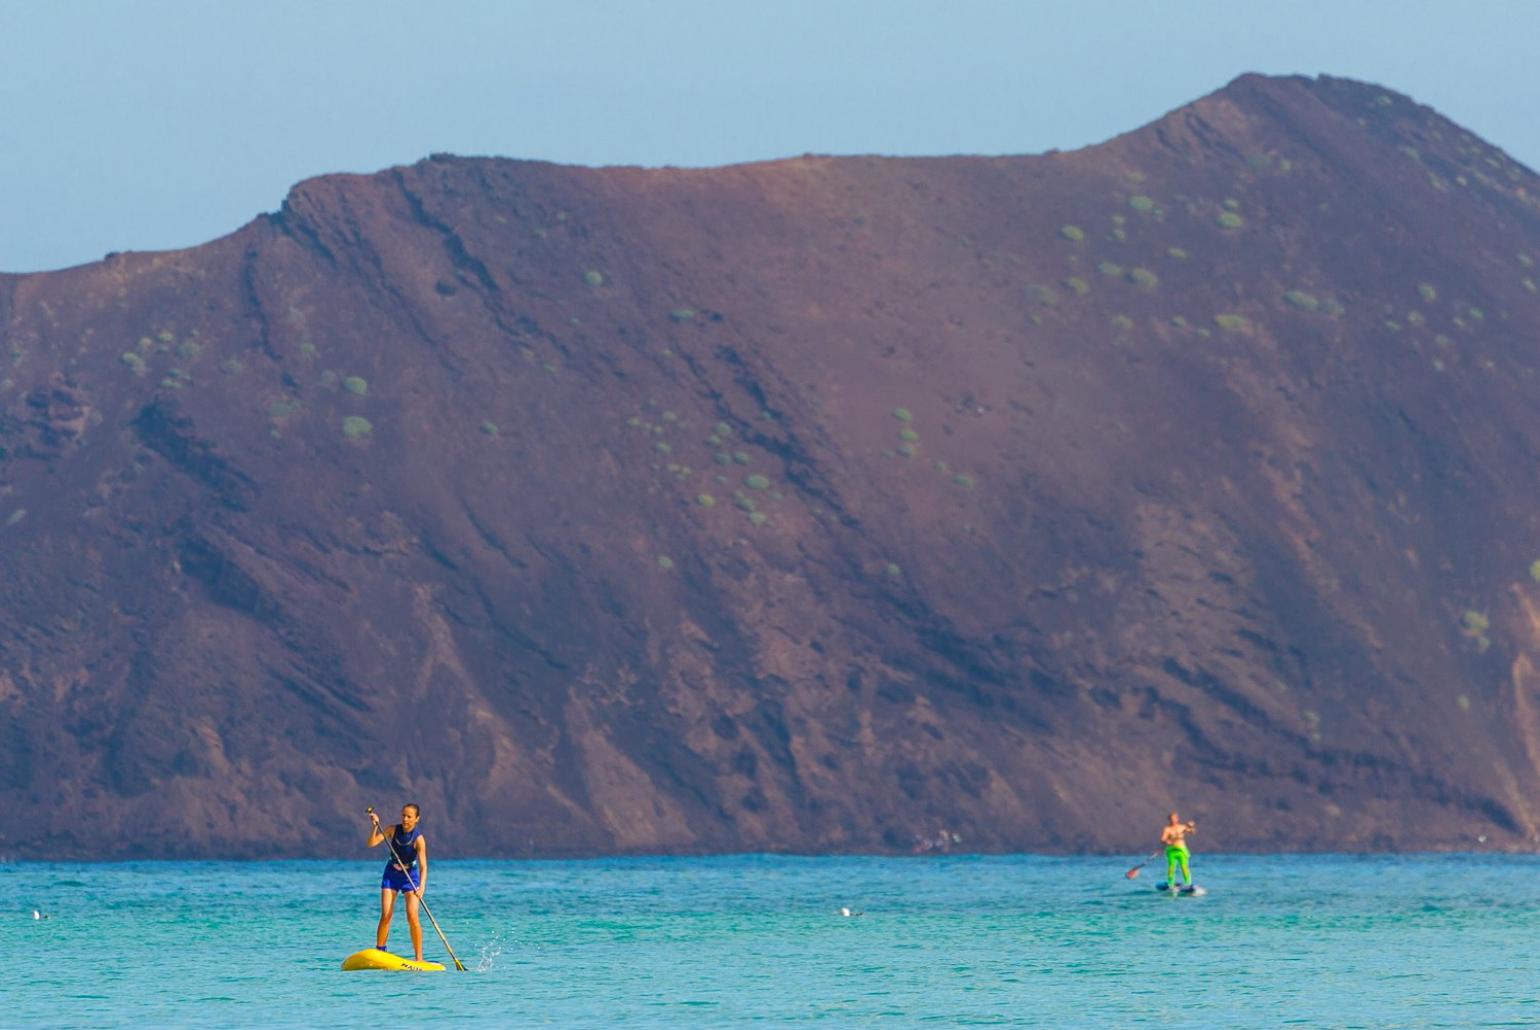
(813, 505)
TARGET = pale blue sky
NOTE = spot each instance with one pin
(147, 124)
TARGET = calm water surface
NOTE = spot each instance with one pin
(1318, 941)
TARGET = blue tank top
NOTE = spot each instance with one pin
(405, 845)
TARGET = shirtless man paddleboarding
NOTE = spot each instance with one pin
(1174, 836)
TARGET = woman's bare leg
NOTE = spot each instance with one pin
(414, 924)
(387, 906)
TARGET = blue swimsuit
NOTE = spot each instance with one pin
(396, 878)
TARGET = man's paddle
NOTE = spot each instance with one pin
(421, 900)
(1152, 856)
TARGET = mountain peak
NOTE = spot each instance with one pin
(814, 505)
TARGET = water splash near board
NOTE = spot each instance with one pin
(490, 952)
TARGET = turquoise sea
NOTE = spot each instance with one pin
(1448, 940)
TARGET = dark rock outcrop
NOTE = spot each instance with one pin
(822, 504)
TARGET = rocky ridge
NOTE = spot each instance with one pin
(827, 504)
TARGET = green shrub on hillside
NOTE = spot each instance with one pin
(1475, 624)
(357, 385)
(1078, 286)
(1428, 292)
(1302, 300)
(134, 362)
(1141, 203)
(902, 414)
(1072, 233)
(1230, 220)
(1143, 277)
(354, 427)
(593, 277)
(1232, 323)
(1038, 294)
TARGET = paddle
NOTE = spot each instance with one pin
(422, 901)
(1152, 856)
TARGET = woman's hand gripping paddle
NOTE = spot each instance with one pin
(421, 900)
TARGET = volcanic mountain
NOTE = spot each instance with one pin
(826, 504)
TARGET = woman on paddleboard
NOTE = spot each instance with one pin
(1174, 837)
(405, 873)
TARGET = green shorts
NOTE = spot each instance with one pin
(1177, 855)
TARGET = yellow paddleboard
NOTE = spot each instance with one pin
(374, 958)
